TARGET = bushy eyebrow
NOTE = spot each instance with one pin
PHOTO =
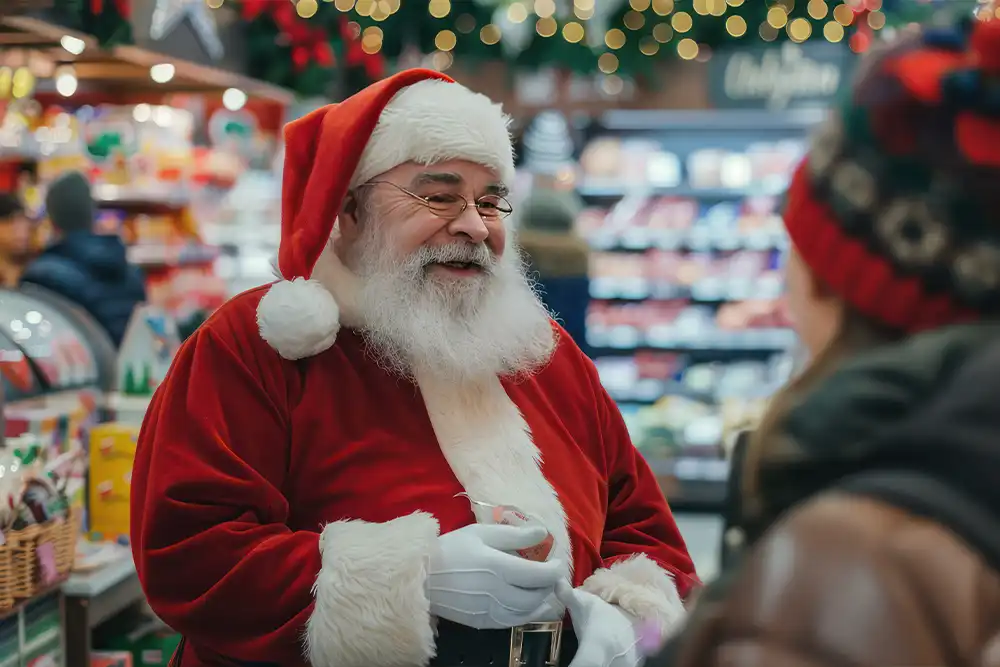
(451, 178)
(497, 189)
(431, 177)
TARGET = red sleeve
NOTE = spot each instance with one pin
(647, 569)
(639, 519)
(215, 558)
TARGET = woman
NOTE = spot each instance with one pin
(894, 286)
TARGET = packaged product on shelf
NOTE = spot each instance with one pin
(704, 168)
(590, 221)
(40, 502)
(602, 159)
(670, 219)
(736, 171)
(772, 162)
(111, 659)
(618, 375)
(11, 482)
(720, 226)
(759, 222)
(112, 453)
(664, 271)
(694, 325)
(663, 169)
(634, 168)
(627, 219)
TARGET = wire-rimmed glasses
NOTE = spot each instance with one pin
(449, 206)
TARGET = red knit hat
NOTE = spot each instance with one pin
(415, 116)
(896, 207)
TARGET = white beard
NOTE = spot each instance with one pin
(456, 328)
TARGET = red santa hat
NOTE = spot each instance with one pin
(415, 116)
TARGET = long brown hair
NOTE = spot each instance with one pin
(857, 334)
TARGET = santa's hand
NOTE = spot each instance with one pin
(475, 579)
(607, 635)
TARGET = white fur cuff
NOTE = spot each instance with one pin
(371, 608)
(639, 586)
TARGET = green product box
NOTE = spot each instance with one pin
(150, 644)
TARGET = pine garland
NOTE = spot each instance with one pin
(107, 20)
(311, 56)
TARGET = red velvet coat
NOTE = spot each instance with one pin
(277, 500)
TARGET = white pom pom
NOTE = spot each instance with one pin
(298, 318)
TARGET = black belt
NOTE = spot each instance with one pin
(534, 645)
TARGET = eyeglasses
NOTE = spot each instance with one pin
(449, 206)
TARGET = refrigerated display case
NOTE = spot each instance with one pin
(56, 365)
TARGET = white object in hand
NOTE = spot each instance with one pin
(607, 635)
(476, 580)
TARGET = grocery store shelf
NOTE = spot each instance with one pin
(130, 197)
(699, 238)
(665, 338)
(92, 599)
(98, 582)
(742, 120)
(614, 189)
(167, 255)
(125, 403)
(640, 289)
(695, 484)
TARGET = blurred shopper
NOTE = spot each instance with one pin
(92, 270)
(557, 258)
(15, 239)
(870, 496)
(302, 485)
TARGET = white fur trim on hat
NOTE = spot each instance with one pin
(435, 121)
(298, 318)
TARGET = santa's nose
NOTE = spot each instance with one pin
(469, 226)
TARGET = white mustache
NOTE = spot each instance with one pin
(477, 254)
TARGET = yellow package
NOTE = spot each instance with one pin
(112, 453)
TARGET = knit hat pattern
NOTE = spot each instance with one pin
(896, 206)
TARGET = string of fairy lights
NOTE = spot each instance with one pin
(651, 26)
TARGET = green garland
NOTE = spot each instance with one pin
(109, 26)
(413, 25)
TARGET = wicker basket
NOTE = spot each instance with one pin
(6, 577)
(21, 579)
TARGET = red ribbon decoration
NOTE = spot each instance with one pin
(124, 7)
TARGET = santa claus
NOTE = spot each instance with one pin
(307, 476)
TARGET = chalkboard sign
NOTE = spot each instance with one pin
(780, 77)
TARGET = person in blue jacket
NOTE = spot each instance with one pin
(92, 270)
(557, 258)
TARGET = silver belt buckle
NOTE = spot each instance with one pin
(553, 628)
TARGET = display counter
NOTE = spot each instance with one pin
(60, 375)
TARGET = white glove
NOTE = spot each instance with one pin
(607, 635)
(474, 581)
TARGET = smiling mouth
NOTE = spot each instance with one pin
(460, 266)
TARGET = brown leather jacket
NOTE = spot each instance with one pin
(838, 580)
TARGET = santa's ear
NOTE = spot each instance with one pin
(348, 223)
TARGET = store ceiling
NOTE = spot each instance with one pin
(37, 44)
